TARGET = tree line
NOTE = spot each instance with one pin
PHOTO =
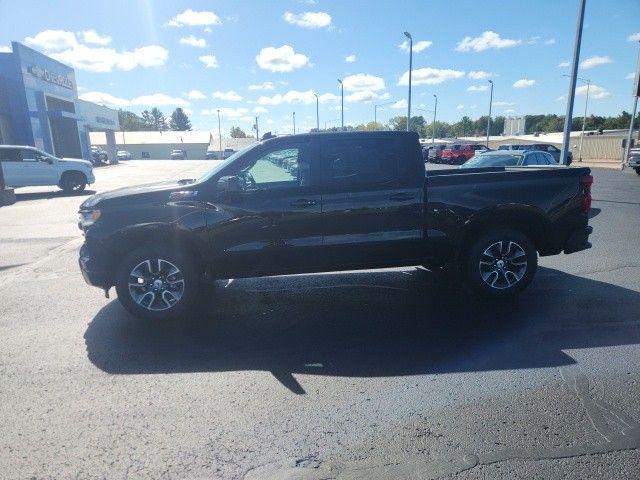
(154, 120)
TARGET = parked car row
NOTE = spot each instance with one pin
(459, 153)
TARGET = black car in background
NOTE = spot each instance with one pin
(98, 156)
(540, 147)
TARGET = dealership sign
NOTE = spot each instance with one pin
(51, 77)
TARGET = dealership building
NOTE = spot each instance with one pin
(39, 106)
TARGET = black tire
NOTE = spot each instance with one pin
(481, 269)
(161, 307)
(73, 182)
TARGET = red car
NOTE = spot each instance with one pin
(457, 154)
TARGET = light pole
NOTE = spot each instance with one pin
(317, 112)
(341, 104)
(257, 134)
(435, 109)
(636, 93)
(566, 136)
(408, 35)
(584, 118)
(375, 111)
(294, 123)
(489, 119)
(219, 135)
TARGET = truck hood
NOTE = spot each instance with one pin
(75, 161)
(134, 194)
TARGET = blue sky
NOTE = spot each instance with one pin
(267, 58)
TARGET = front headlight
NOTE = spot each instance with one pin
(88, 217)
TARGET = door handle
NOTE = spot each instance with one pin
(303, 203)
(401, 197)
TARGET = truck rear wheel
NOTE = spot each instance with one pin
(73, 182)
(500, 263)
(157, 283)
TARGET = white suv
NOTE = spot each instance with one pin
(25, 166)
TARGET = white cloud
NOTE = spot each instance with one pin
(366, 96)
(561, 98)
(295, 96)
(193, 41)
(564, 64)
(308, 19)
(5, 49)
(159, 100)
(595, 92)
(533, 40)
(363, 81)
(430, 76)
(210, 61)
(479, 75)
(595, 61)
(152, 100)
(53, 40)
(634, 37)
(196, 95)
(260, 110)
(262, 86)
(281, 59)
(230, 96)
(524, 83)
(226, 112)
(188, 111)
(477, 88)
(473, 107)
(400, 104)
(630, 76)
(485, 41)
(501, 103)
(550, 41)
(509, 110)
(350, 58)
(106, 59)
(194, 19)
(105, 99)
(91, 36)
(417, 46)
(459, 107)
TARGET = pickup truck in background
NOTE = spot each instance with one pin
(26, 166)
(329, 202)
(634, 159)
(457, 154)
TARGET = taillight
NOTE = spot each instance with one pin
(586, 183)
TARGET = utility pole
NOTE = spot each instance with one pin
(408, 35)
(584, 118)
(294, 123)
(636, 94)
(566, 137)
(375, 111)
(317, 112)
(341, 104)
(489, 118)
(257, 132)
(219, 135)
(435, 109)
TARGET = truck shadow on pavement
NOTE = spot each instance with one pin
(22, 197)
(367, 324)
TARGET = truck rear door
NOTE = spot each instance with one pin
(372, 200)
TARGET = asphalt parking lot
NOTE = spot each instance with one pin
(354, 375)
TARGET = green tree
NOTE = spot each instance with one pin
(369, 127)
(155, 119)
(179, 120)
(236, 132)
(399, 123)
(130, 122)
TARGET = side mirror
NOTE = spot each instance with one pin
(45, 160)
(229, 184)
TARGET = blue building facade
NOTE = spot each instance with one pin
(39, 104)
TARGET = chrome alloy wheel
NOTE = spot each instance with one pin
(503, 264)
(156, 284)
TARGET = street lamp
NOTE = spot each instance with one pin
(294, 123)
(489, 119)
(584, 118)
(341, 104)
(435, 109)
(317, 112)
(219, 135)
(375, 111)
(566, 135)
(408, 35)
(636, 93)
(257, 134)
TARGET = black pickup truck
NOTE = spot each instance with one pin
(329, 202)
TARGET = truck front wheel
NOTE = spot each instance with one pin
(500, 263)
(73, 182)
(157, 283)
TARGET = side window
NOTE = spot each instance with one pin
(28, 155)
(10, 155)
(353, 162)
(530, 159)
(546, 159)
(282, 168)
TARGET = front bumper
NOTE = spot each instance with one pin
(93, 272)
(578, 240)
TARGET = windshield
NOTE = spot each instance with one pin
(493, 161)
(226, 162)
